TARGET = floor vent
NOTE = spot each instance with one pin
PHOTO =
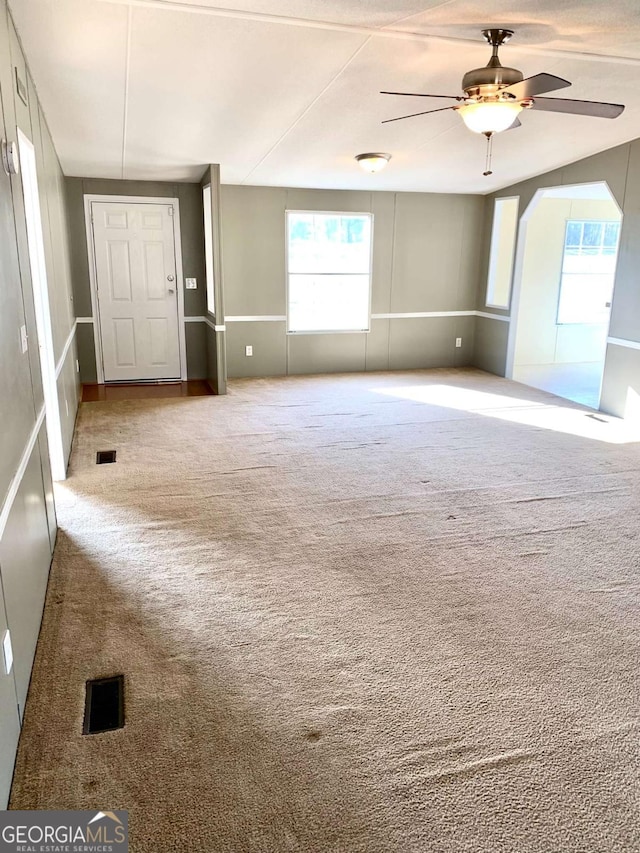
(105, 456)
(104, 705)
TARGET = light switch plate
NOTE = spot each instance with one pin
(248, 350)
(7, 653)
(23, 339)
(191, 283)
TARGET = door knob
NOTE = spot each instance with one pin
(169, 278)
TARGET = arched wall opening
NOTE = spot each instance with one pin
(563, 289)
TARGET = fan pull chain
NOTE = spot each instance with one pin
(487, 164)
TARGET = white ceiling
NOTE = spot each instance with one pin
(286, 92)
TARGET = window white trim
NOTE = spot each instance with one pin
(177, 242)
(207, 207)
(366, 213)
(494, 254)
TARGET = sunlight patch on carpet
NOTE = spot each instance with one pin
(571, 421)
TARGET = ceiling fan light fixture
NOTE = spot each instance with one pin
(372, 162)
(490, 116)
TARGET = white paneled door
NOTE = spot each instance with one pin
(135, 259)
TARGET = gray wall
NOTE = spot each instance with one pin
(426, 259)
(192, 239)
(620, 168)
(27, 513)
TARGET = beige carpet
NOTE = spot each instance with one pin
(356, 614)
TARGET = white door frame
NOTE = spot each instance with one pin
(40, 287)
(134, 199)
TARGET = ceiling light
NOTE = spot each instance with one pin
(373, 162)
(490, 116)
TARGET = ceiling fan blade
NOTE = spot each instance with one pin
(420, 95)
(597, 109)
(413, 115)
(536, 85)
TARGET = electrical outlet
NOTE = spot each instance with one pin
(458, 342)
(24, 339)
(7, 653)
(191, 284)
(248, 350)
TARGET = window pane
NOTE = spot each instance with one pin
(208, 247)
(611, 232)
(574, 234)
(329, 277)
(592, 236)
(320, 303)
(300, 227)
(503, 241)
(329, 243)
(599, 264)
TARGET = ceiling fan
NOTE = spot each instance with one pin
(495, 95)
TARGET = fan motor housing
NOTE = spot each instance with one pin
(487, 80)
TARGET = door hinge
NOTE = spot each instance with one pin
(170, 210)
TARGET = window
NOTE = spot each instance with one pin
(588, 271)
(208, 246)
(328, 271)
(503, 243)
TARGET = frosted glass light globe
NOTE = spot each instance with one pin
(490, 116)
(373, 162)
